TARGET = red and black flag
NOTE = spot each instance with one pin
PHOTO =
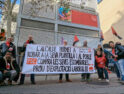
(115, 33)
(101, 36)
(75, 40)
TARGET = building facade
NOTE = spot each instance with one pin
(49, 21)
(111, 13)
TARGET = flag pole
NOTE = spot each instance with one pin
(114, 38)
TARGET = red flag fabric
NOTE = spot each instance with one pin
(75, 40)
(108, 71)
(101, 36)
(115, 33)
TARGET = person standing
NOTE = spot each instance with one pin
(1, 78)
(8, 46)
(101, 64)
(66, 75)
(101, 76)
(29, 41)
(85, 76)
(114, 59)
(119, 54)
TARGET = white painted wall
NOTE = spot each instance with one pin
(86, 3)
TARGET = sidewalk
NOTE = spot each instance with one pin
(51, 86)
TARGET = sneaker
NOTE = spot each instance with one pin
(20, 83)
(107, 80)
(9, 82)
(60, 81)
(2, 83)
(68, 80)
(83, 80)
(99, 79)
(88, 80)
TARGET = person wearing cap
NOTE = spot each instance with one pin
(66, 75)
(29, 41)
(8, 46)
(9, 68)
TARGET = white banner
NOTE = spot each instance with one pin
(42, 59)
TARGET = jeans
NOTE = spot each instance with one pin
(23, 75)
(121, 68)
(66, 75)
(1, 77)
(103, 70)
(117, 70)
(100, 73)
(10, 74)
(23, 78)
(116, 65)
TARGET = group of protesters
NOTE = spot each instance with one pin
(11, 71)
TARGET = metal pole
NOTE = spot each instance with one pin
(18, 29)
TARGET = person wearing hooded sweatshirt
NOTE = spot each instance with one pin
(101, 64)
(29, 41)
(119, 53)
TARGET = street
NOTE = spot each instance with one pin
(50, 85)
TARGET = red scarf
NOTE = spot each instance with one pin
(8, 43)
(27, 42)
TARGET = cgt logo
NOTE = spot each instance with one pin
(91, 67)
(32, 61)
(89, 50)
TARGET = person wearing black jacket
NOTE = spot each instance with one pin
(9, 68)
(113, 58)
(1, 78)
(119, 51)
(8, 46)
(29, 41)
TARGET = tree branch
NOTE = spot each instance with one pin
(14, 2)
(2, 3)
